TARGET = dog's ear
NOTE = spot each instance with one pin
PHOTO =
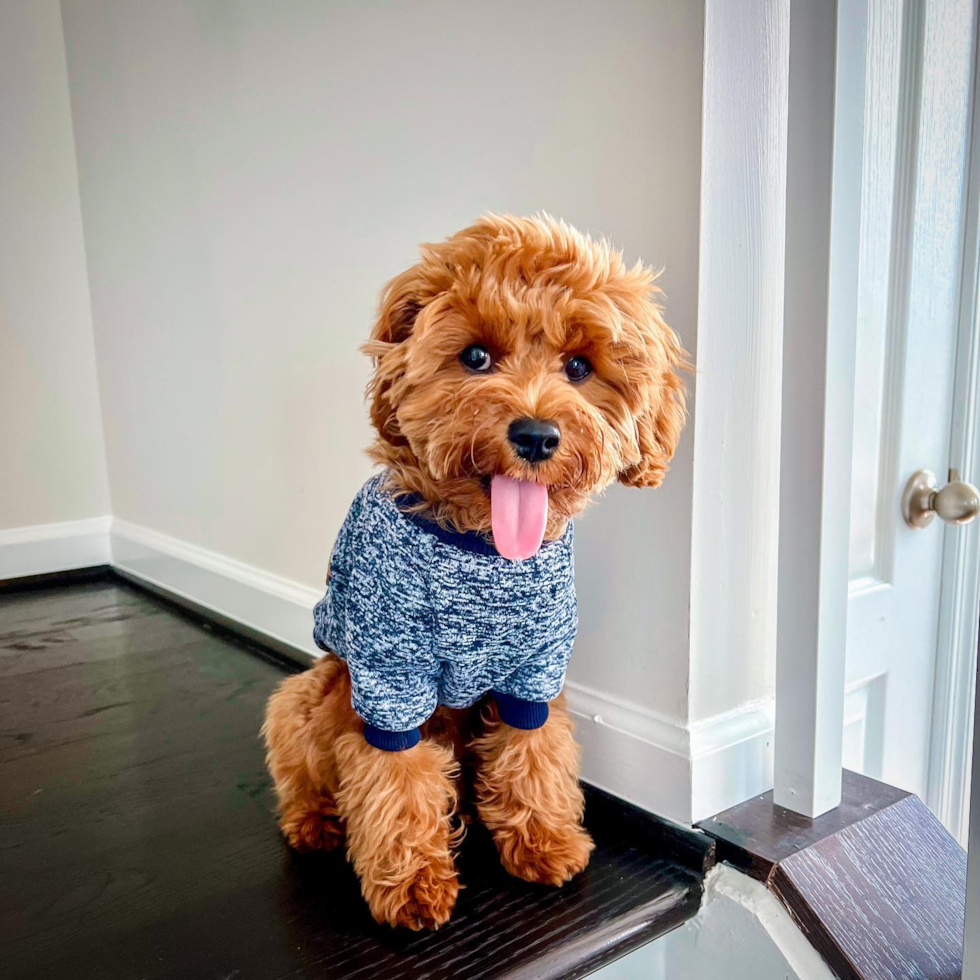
(400, 305)
(660, 423)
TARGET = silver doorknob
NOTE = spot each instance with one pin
(956, 503)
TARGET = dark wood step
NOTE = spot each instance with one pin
(137, 837)
(877, 885)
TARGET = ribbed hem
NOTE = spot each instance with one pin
(391, 741)
(521, 714)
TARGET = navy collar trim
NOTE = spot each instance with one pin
(471, 541)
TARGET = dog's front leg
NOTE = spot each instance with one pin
(528, 796)
(398, 808)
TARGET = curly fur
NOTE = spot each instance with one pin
(535, 292)
(528, 796)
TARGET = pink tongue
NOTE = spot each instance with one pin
(518, 514)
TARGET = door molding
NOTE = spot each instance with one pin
(948, 791)
(898, 293)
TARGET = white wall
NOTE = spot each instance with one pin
(52, 458)
(252, 173)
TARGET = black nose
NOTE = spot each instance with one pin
(534, 439)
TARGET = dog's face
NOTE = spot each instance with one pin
(522, 350)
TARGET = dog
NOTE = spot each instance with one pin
(520, 367)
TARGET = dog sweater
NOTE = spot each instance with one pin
(424, 616)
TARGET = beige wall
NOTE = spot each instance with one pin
(252, 173)
(52, 458)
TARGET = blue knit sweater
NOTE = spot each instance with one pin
(424, 617)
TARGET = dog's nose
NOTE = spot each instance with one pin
(534, 439)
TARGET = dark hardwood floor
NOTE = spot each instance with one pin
(137, 839)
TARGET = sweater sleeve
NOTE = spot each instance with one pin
(394, 671)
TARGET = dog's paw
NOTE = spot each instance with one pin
(424, 902)
(544, 855)
(312, 830)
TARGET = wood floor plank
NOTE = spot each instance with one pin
(888, 892)
(137, 837)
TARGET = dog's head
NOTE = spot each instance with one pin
(521, 367)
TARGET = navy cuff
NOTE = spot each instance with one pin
(391, 741)
(519, 713)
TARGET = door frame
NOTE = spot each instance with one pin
(948, 793)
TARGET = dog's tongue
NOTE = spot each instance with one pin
(518, 514)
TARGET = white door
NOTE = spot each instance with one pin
(911, 303)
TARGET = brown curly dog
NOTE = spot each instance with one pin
(510, 319)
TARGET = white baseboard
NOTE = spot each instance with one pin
(263, 603)
(684, 773)
(44, 548)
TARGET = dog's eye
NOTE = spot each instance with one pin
(578, 368)
(476, 358)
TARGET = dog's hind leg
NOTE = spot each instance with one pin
(303, 719)
(312, 823)
(528, 796)
(398, 808)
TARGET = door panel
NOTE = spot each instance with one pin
(864, 725)
(875, 354)
(913, 194)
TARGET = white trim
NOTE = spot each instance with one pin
(735, 498)
(43, 548)
(621, 715)
(723, 881)
(898, 296)
(263, 603)
(684, 773)
(741, 932)
(971, 944)
(948, 791)
(731, 758)
(823, 213)
(211, 561)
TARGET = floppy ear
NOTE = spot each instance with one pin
(396, 320)
(659, 425)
